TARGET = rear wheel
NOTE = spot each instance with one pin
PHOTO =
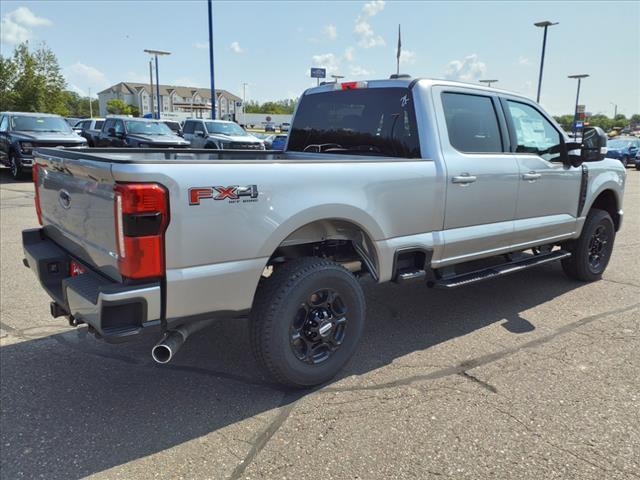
(591, 252)
(306, 321)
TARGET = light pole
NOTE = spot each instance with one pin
(575, 113)
(151, 88)
(155, 54)
(213, 85)
(488, 82)
(545, 24)
(336, 78)
(90, 106)
(244, 100)
(615, 110)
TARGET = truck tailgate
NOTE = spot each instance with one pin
(77, 204)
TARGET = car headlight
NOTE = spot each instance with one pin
(26, 147)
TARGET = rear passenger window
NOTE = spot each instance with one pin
(472, 123)
(188, 127)
(108, 124)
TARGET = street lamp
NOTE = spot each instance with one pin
(488, 82)
(545, 24)
(156, 53)
(615, 109)
(579, 76)
(336, 78)
(244, 101)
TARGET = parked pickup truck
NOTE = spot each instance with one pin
(22, 132)
(389, 180)
(127, 132)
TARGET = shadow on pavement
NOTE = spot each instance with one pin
(73, 406)
(6, 177)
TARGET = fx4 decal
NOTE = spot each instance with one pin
(233, 193)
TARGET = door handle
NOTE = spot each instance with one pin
(464, 178)
(531, 176)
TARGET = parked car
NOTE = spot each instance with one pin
(21, 133)
(174, 126)
(72, 120)
(219, 134)
(637, 160)
(89, 129)
(623, 149)
(269, 127)
(138, 133)
(284, 127)
(399, 180)
(278, 142)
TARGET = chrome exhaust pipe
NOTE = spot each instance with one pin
(170, 343)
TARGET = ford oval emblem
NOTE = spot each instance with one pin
(64, 198)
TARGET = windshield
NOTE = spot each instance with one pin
(148, 128)
(372, 121)
(175, 126)
(226, 128)
(40, 124)
(619, 143)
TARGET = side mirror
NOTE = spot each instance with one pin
(111, 132)
(594, 144)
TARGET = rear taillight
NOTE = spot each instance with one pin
(35, 174)
(141, 218)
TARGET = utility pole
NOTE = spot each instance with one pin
(615, 109)
(336, 78)
(213, 85)
(155, 54)
(90, 105)
(488, 82)
(545, 24)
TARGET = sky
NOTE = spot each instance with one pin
(271, 45)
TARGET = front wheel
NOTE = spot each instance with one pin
(16, 169)
(591, 252)
(625, 161)
(306, 321)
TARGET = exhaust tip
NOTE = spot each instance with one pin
(162, 353)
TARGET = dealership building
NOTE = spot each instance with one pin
(175, 101)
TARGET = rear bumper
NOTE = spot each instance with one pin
(114, 311)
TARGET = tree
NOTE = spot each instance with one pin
(118, 107)
(7, 81)
(286, 106)
(47, 68)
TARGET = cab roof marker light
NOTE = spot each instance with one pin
(351, 85)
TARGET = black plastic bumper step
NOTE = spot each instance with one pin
(499, 270)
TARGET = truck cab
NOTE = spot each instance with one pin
(219, 135)
(138, 133)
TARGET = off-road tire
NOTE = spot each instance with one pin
(277, 301)
(578, 265)
(17, 172)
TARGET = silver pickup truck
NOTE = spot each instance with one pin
(388, 180)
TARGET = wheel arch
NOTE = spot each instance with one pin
(314, 228)
(607, 199)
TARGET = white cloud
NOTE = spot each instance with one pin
(328, 61)
(201, 45)
(407, 57)
(373, 7)
(331, 31)
(363, 30)
(468, 70)
(87, 76)
(348, 54)
(523, 61)
(138, 77)
(236, 48)
(358, 71)
(15, 26)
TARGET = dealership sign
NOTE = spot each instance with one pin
(318, 73)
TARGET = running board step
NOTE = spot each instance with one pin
(499, 270)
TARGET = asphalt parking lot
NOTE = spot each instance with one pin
(530, 376)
